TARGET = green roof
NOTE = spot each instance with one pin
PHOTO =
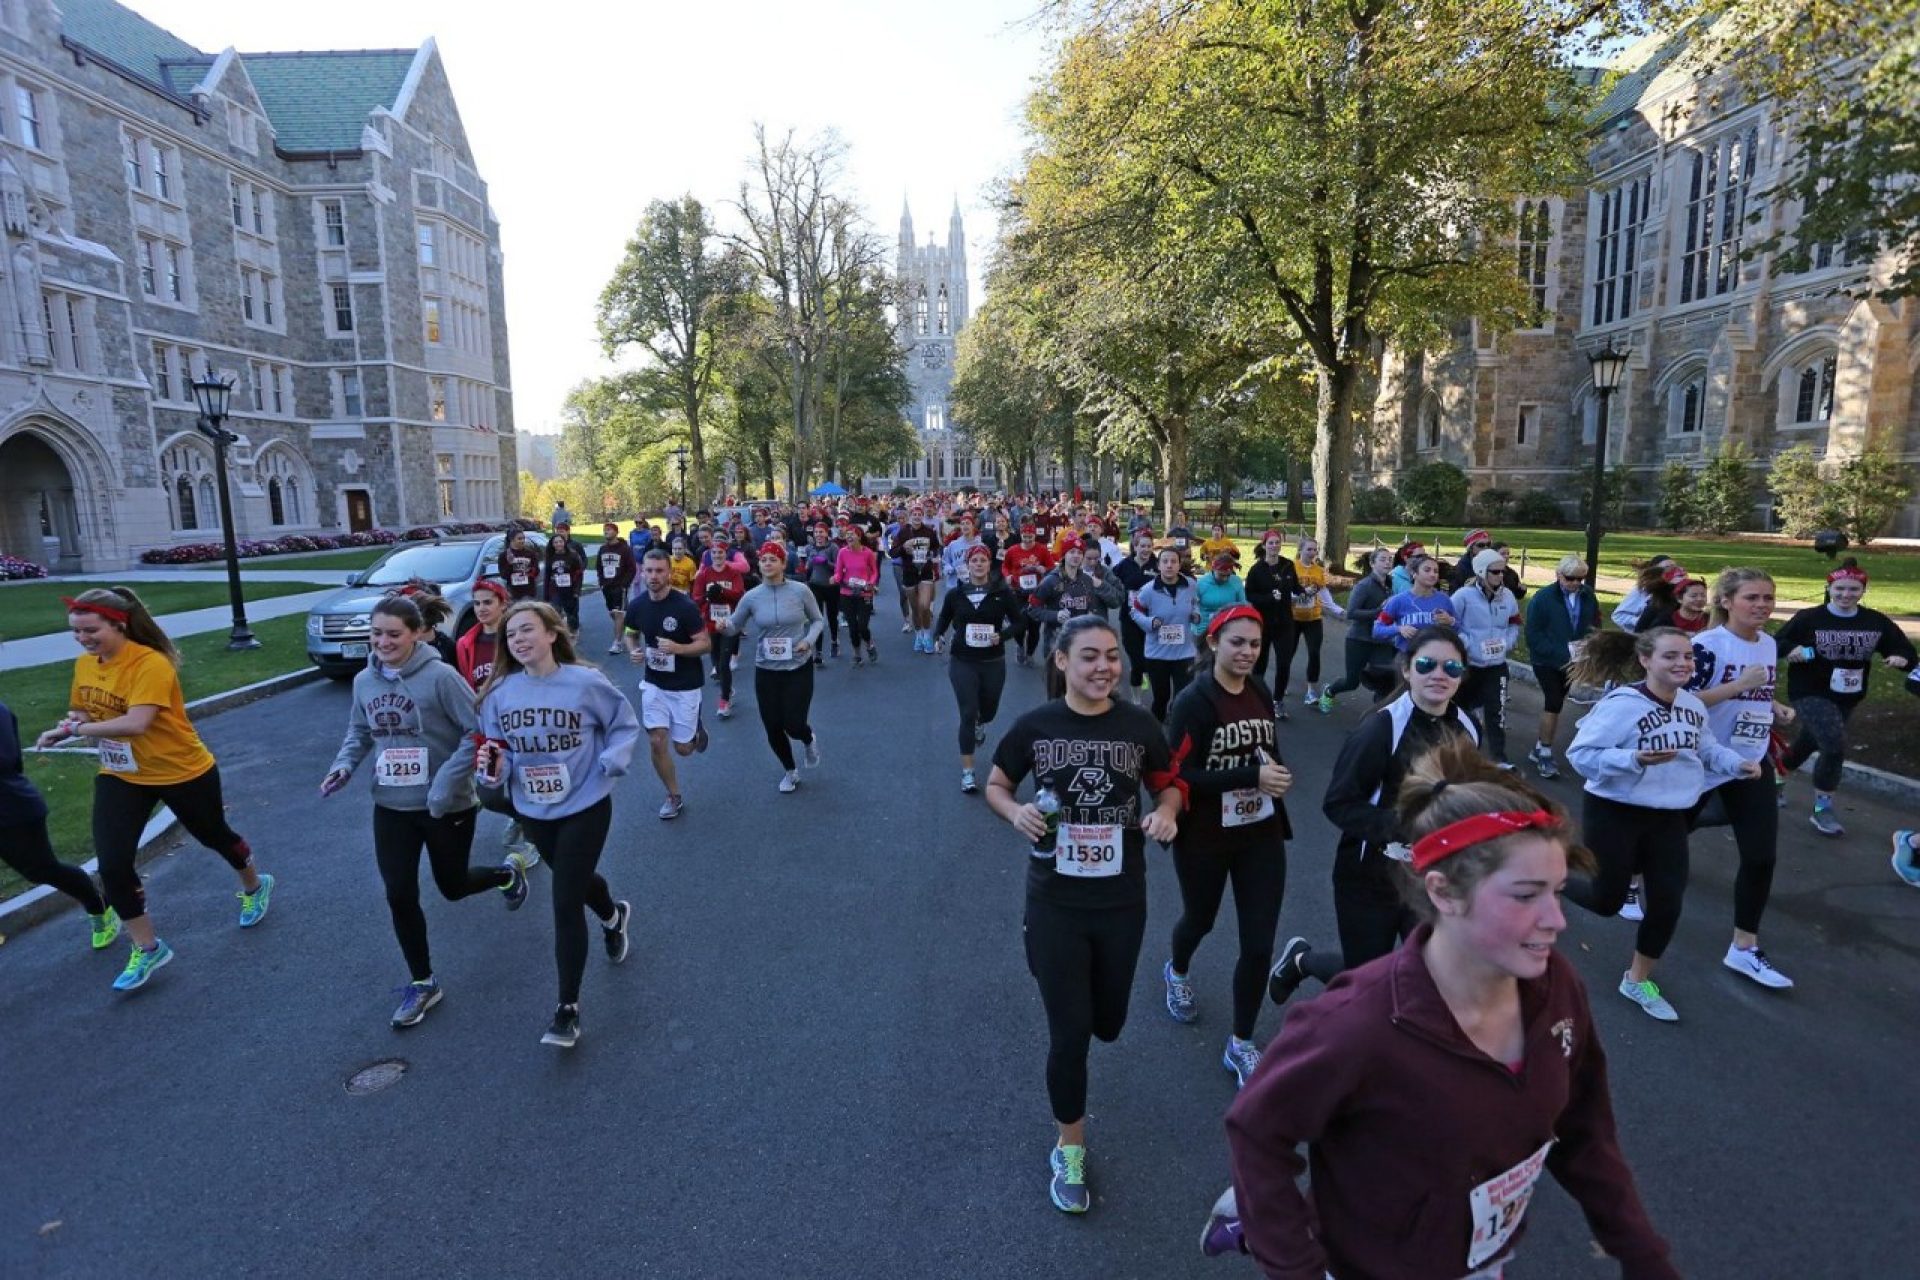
(1654, 65)
(118, 33)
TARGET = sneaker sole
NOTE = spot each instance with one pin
(419, 1017)
(560, 1042)
(1668, 1017)
(1832, 833)
(1778, 984)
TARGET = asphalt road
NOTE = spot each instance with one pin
(824, 1058)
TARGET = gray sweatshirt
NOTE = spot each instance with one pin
(1489, 626)
(787, 613)
(1630, 720)
(416, 725)
(568, 736)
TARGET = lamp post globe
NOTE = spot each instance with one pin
(213, 393)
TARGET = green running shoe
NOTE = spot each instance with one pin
(106, 927)
(141, 964)
(253, 906)
(1068, 1189)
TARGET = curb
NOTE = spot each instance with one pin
(1864, 776)
(42, 902)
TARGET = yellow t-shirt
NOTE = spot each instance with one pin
(1214, 546)
(1306, 605)
(680, 572)
(169, 751)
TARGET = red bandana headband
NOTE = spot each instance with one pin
(1438, 846)
(1234, 614)
(1848, 572)
(494, 588)
(106, 611)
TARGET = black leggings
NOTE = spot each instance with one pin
(1312, 633)
(1027, 632)
(570, 847)
(398, 837)
(120, 813)
(724, 647)
(1485, 692)
(1259, 875)
(1367, 908)
(1823, 729)
(1084, 960)
(1276, 645)
(785, 698)
(1627, 841)
(25, 847)
(1168, 677)
(1361, 671)
(1134, 640)
(1747, 805)
(829, 601)
(976, 688)
(859, 612)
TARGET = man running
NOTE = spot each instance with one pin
(616, 560)
(667, 636)
(917, 553)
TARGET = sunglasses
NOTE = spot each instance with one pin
(1452, 667)
(1573, 577)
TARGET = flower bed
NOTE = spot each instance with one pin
(204, 552)
(14, 569)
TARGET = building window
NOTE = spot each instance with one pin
(184, 510)
(246, 293)
(1813, 391)
(333, 217)
(350, 401)
(259, 214)
(162, 374)
(1430, 428)
(26, 105)
(1716, 213)
(259, 383)
(149, 277)
(176, 275)
(936, 417)
(945, 312)
(437, 399)
(282, 474)
(342, 308)
(1526, 425)
(1622, 215)
(237, 201)
(426, 244)
(1535, 236)
(1686, 405)
(241, 131)
(920, 313)
(269, 285)
(69, 320)
(162, 183)
(430, 312)
(130, 152)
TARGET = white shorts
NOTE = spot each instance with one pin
(675, 710)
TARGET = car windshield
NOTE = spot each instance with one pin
(452, 562)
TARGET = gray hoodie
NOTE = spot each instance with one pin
(568, 736)
(786, 614)
(429, 706)
(1630, 720)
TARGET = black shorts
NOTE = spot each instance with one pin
(616, 598)
(1553, 687)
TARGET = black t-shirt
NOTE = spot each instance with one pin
(1213, 736)
(967, 607)
(1843, 651)
(1096, 765)
(675, 618)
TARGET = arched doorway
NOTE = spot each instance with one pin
(39, 520)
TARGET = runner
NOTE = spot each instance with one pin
(788, 623)
(1213, 592)
(1164, 611)
(983, 615)
(684, 566)
(1235, 828)
(1473, 1045)
(1311, 603)
(1490, 624)
(819, 559)
(618, 565)
(953, 556)
(1689, 612)
(666, 635)
(125, 698)
(1647, 580)
(419, 713)
(1025, 565)
(555, 733)
(1078, 586)
(1647, 759)
(1829, 650)
(917, 553)
(1559, 621)
(562, 574)
(1133, 574)
(474, 655)
(1221, 545)
(520, 566)
(26, 846)
(1272, 586)
(1734, 673)
(1472, 542)
(1422, 605)
(1369, 661)
(856, 571)
(1086, 910)
(1368, 910)
(717, 589)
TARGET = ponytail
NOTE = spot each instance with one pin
(139, 626)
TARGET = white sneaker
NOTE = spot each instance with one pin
(813, 752)
(1311, 699)
(614, 647)
(789, 781)
(1648, 997)
(1631, 908)
(1754, 964)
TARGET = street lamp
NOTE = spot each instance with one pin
(1609, 367)
(213, 393)
(1053, 478)
(680, 458)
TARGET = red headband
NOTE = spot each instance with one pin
(1438, 846)
(1848, 572)
(494, 588)
(106, 611)
(979, 551)
(1234, 614)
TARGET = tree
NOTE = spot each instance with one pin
(606, 423)
(1860, 495)
(1723, 494)
(1004, 401)
(670, 297)
(755, 425)
(864, 382)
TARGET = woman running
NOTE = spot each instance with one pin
(788, 623)
(1646, 590)
(1086, 912)
(1368, 910)
(717, 589)
(1559, 621)
(1369, 661)
(1133, 574)
(682, 566)
(566, 565)
(419, 713)
(1422, 605)
(856, 572)
(26, 846)
(983, 616)
(520, 566)
(1473, 1046)
(1689, 612)
(1026, 564)
(1312, 602)
(1272, 584)
(916, 553)
(1218, 589)
(1164, 610)
(1235, 828)
(126, 699)
(818, 560)
(474, 656)
(1829, 652)
(555, 733)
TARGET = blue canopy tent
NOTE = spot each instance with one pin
(827, 490)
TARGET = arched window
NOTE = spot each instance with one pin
(1813, 390)
(282, 472)
(1690, 397)
(920, 313)
(185, 514)
(276, 510)
(209, 503)
(186, 473)
(945, 315)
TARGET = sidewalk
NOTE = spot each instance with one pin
(188, 573)
(59, 647)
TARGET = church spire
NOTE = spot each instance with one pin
(956, 233)
(906, 225)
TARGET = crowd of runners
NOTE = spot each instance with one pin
(1449, 1024)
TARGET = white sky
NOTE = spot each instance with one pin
(578, 114)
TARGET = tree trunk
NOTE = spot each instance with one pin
(1333, 459)
(766, 466)
(1173, 466)
(1296, 503)
(1226, 488)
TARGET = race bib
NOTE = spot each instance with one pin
(562, 579)
(919, 555)
(401, 767)
(777, 648)
(544, 784)
(1302, 600)
(1245, 807)
(1754, 723)
(858, 584)
(1172, 633)
(979, 635)
(1493, 648)
(1028, 582)
(1087, 850)
(609, 566)
(1848, 680)
(720, 612)
(659, 660)
(519, 579)
(1499, 1204)
(117, 756)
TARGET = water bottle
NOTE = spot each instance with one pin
(1048, 804)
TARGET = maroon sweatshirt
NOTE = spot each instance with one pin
(1403, 1117)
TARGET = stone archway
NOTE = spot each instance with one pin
(55, 495)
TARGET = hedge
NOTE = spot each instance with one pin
(203, 552)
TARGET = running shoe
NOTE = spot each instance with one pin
(614, 647)
(415, 999)
(1280, 711)
(670, 808)
(518, 846)
(1647, 995)
(818, 661)
(1179, 995)
(1289, 971)
(1242, 1058)
(1631, 908)
(1312, 699)
(615, 934)
(1541, 758)
(724, 710)
(873, 656)
(700, 738)
(1752, 962)
(1068, 1189)
(516, 888)
(564, 1032)
(1906, 865)
(1780, 790)
(813, 752)
(789, 782)
(906, 626)
(253, 906)
(979, 735)
(141, 964)
(1223, 1235)
(967, 784)
(1326, 704)
(1826, 822)
(106, 927)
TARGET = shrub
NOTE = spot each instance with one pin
(1433, 493)
(1375, 506)
(420, 533)
(1492, 507)
(1860, 495)
(1538, 509)
(1723, 491)
(1616, 492)
(1676, 497)
(14, 569)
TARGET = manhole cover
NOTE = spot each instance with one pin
(376, 1076)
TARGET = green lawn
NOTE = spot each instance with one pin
(344, 561)
(34, 608)
(38, 697)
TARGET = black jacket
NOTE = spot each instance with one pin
(1271, 589)
(1211, 763)
(1373, 761)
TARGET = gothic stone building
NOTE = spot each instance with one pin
(309, 224)
(1649, 254)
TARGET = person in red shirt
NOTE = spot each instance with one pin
(717, 587)
(1024, 566)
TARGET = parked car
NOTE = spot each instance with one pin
(338, 624)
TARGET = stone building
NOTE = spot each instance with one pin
(1648, 255)
(309, 224)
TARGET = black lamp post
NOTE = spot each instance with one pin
(1609, 367)
(680, 458)
(1053, 478)
(213, 393)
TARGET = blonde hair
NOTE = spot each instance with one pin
(139, 626)
(1614, 656)
(1727, 585)
(505, 664)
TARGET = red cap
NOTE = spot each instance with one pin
(1232, 614)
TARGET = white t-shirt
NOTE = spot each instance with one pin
(1741, 722)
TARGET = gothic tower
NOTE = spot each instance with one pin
(933, 307)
